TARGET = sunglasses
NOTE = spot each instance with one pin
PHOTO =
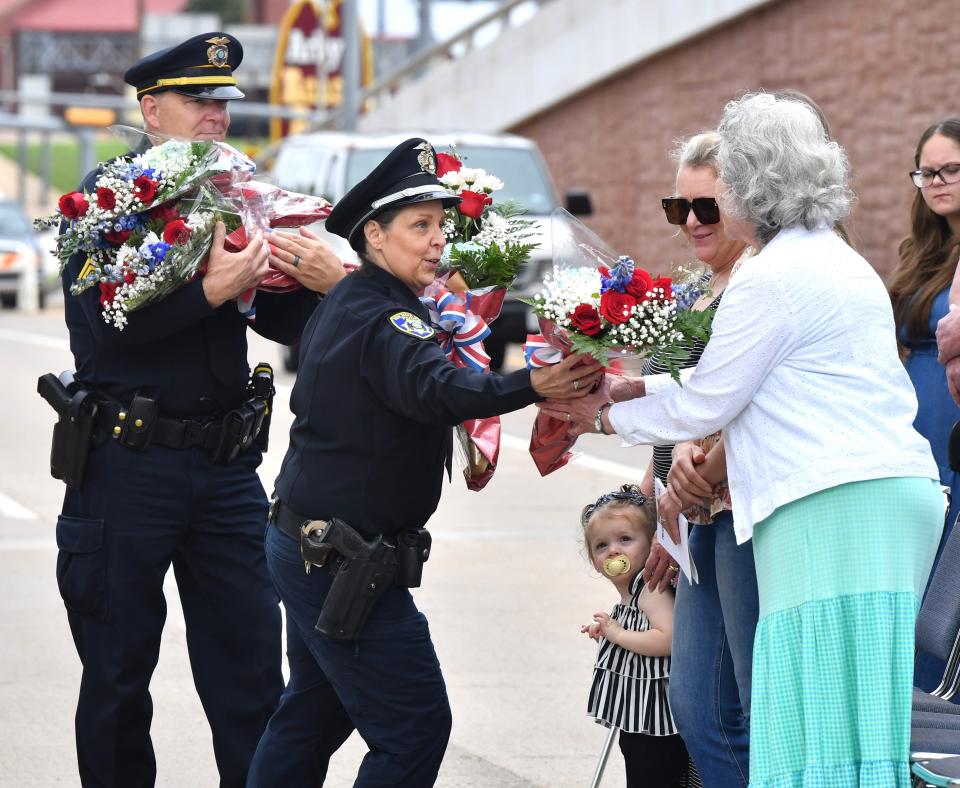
(678, 208)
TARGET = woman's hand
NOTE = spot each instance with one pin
(669, 507)
(579, 413)
(610, 628)
(572, 378)
(659, 569)
(684, 479)
(593, 630)
(307, 258)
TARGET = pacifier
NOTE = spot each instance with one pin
(613, 567)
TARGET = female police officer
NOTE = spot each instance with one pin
(374, 402)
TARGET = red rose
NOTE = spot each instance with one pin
(640, 285)
(165, 212)
(586, 320)
(107, 291)
(106, 199)
(447, 163)
(145, 189)
(666, 283)
(473, 203)
(616, 307)
(129, 275)
(116, 236)
(177, 232)
(73, 205)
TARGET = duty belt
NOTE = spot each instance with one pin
(287, 520)
(113, 418)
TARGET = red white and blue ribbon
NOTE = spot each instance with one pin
(537, 352)
(461, 333)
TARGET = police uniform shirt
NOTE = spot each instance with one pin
(374, 403)
(169, 350)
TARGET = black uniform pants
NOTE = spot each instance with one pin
(138, 513)
(387, 685)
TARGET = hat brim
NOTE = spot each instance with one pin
(215, 92)
(442, 195)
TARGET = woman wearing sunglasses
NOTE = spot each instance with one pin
(715, 619)
(920, 293)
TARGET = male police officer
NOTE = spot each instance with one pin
(171, 474)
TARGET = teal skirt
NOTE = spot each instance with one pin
(840, 576)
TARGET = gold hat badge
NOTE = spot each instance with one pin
(427, 158)
(218, 55)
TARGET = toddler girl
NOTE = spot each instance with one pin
(633, 662)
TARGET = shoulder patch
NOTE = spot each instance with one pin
(411, 325)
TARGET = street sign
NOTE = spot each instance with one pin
(307, 71)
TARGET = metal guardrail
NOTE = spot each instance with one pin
(252, 109)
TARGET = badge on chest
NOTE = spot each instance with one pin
(411, 325)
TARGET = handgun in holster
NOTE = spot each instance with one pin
(73, 433)
(249, 424)
(363, 570)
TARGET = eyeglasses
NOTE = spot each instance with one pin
(948, 173)
(627, 492)
(678, 208)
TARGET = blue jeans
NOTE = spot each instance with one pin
(711, 660)
(387, 685)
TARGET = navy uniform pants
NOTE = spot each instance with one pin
(138, 513)
(387, 685)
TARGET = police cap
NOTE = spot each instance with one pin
(201, 66)
(407, 175)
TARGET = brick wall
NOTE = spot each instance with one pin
(882, 70)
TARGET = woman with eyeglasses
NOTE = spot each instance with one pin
(837, 491)
(920, 293)
(715, 619)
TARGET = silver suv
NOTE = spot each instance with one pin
(327, 164)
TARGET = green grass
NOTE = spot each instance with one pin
(65, 173)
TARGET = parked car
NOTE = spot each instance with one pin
(20, 248)
(327, 164)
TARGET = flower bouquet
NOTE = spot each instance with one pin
(147, 226)
(611, 309)
(487, 247)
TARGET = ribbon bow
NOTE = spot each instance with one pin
(461, 333)
(537, 352)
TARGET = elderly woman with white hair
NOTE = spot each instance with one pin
(827, 475)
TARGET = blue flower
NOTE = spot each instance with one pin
(620, 275)
(159, 251)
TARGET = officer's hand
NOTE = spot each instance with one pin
(572, 378)
(231, 273)
(317, 266)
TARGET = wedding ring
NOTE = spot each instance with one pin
(296, 261)
(568, 417)
(576, 385)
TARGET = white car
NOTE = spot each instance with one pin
(20, 249)
(328, 164)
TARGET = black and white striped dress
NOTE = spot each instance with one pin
(629, 690)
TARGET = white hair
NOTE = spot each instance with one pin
(778, 167)
(700, 150)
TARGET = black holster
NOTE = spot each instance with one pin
(362, 572)
(74, 431)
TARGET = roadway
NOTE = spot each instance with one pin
(505, 590)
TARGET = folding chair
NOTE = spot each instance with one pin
(935, 722)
